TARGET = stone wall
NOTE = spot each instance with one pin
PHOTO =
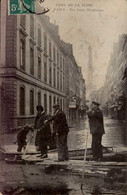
(9, 96)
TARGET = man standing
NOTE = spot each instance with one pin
(61, 130)
(43, 136)
(39, 112)
(96, 129)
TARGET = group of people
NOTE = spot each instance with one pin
(61, 129)
(43, 132)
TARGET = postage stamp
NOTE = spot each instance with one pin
(21, 6)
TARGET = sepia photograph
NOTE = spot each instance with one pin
(63, 97)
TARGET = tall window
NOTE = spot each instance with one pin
(39, 98)
(23, 21)
(39, 67)
(57, 79)
(57, 58)
(50, 49)
(54, 100)
(32, 60)
(54, 54)
(45, 71)
(61, 103)
(39, 35)
(22, 101)
(45, 42)
(32, 25)
(50, 104)
(61, 82)
(54, 75)
(45, 102)
(22, 54)
(58, 101)
(31, 102)
(60, 61)
(63, 64)
(50, 75)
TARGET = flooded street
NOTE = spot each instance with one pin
(32, 179)
(114, 136)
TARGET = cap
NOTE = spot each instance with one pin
(95, 103)
(39, 107)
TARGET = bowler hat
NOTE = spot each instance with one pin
(95, 103)
(39, 107)
(56, 106)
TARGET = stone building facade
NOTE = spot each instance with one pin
(33, 68)
(74, 85)
(115, 88)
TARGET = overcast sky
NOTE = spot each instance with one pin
(99, 25)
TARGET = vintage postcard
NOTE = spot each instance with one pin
(63, 97)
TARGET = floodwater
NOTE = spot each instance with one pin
(114, 136)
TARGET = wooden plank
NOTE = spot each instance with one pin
(12, 149)
(80, 163)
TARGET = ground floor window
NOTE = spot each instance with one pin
(31, 102)
(54, 100)
(50, 104)
(45, 103)
(39, 98)
(22, 100)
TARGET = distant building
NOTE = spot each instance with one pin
(115, 87)
(75, 84)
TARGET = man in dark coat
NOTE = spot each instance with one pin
(96, 129)
(39, 111)
(61, 130)
(43, 136)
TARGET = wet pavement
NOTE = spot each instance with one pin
(115, 135)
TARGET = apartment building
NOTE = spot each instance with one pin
(34, 68)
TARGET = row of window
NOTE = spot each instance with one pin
(53, 52)
(59, 74)
(22, 101)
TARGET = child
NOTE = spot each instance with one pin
(21, 137)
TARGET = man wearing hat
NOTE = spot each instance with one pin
(43, 135)
(96, 129)
(61, 130)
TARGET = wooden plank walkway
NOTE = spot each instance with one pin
(92, 168)
(33, 156)
(52, 160)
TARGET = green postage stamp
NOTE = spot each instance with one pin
(21, 6)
